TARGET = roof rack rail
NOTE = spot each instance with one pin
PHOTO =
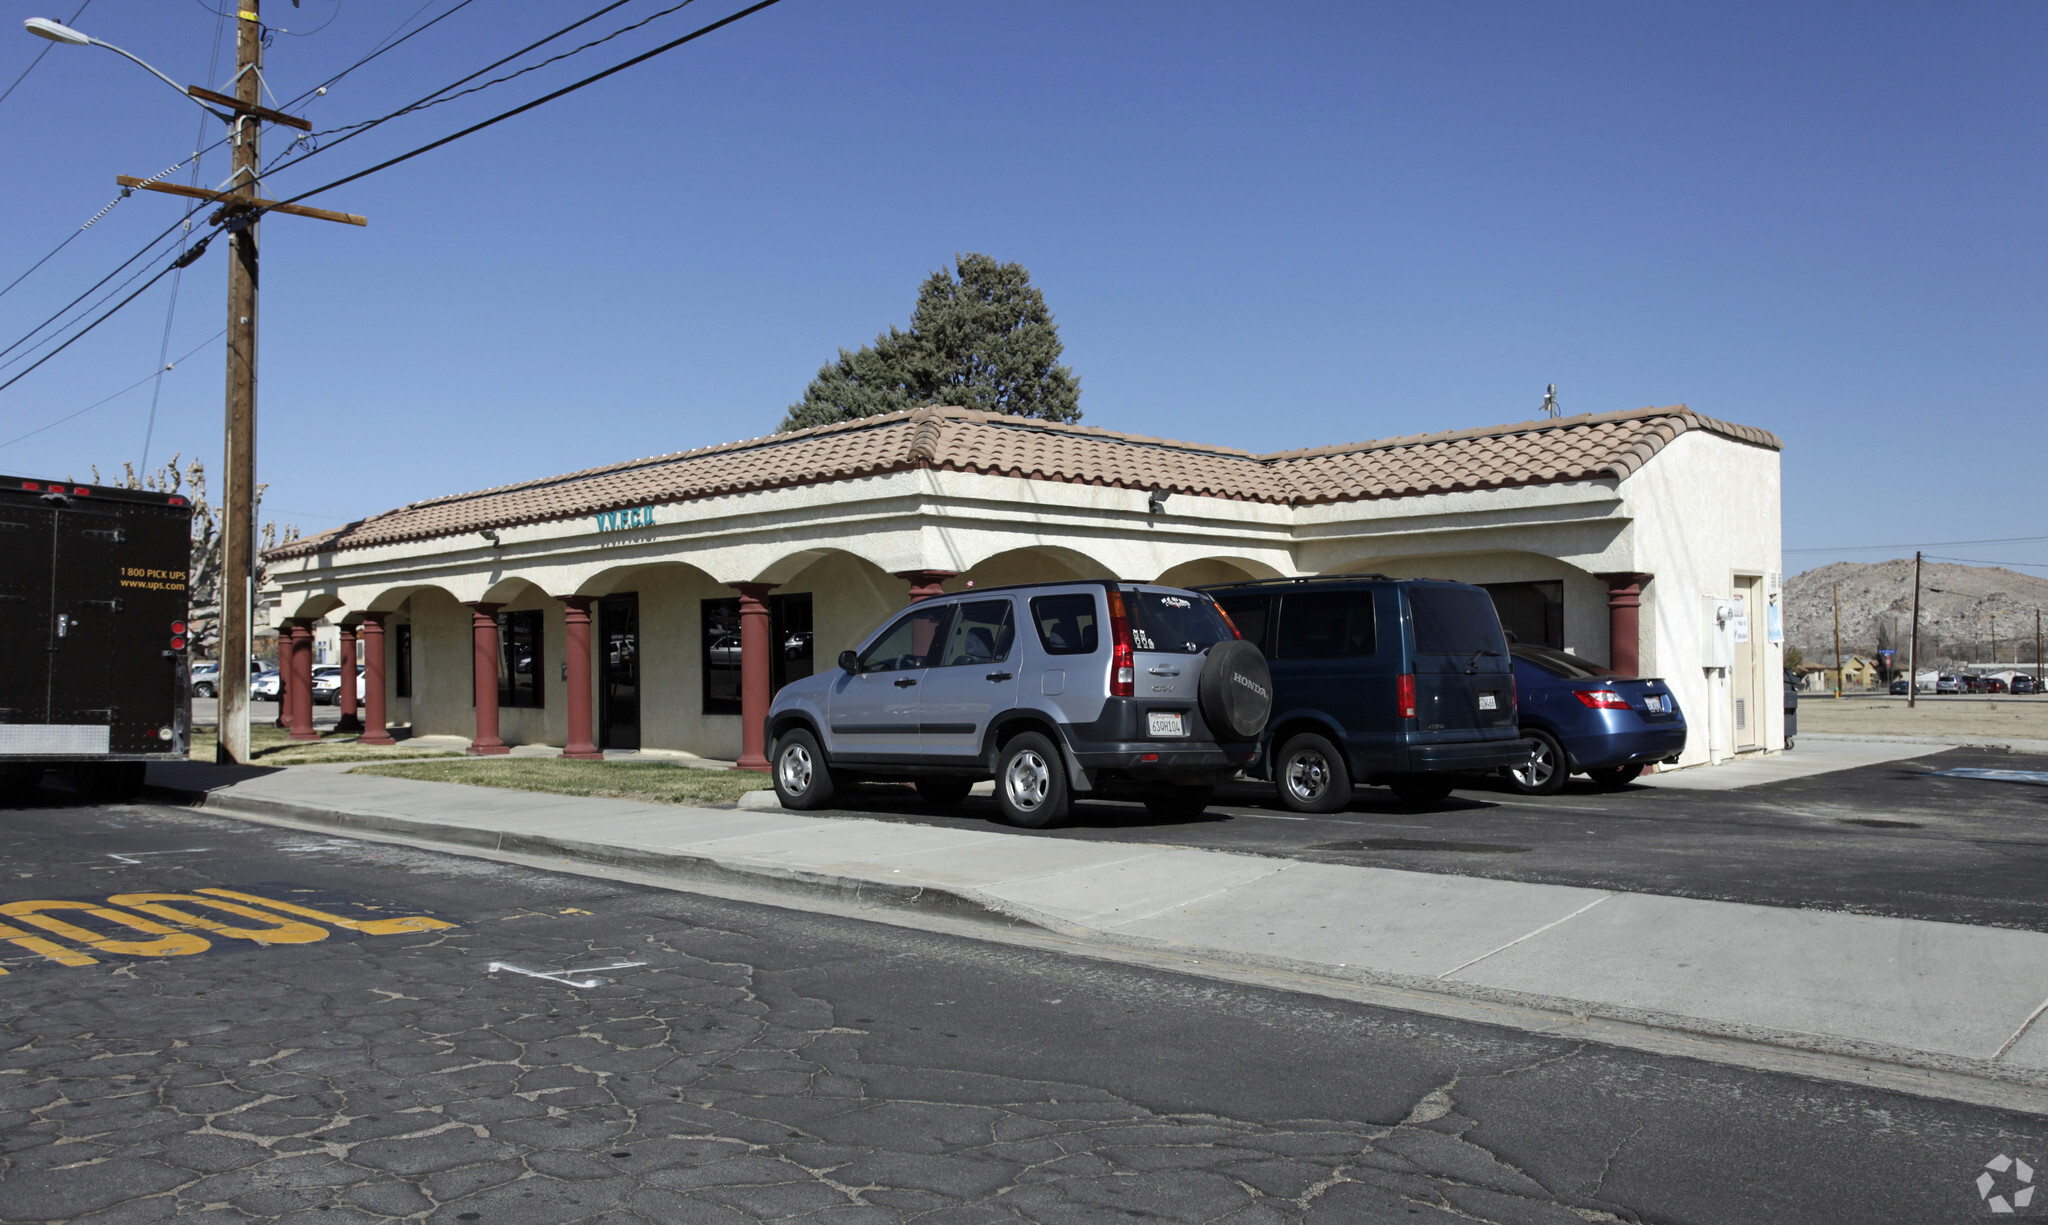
(1305, 578)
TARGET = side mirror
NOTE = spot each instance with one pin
(849, 663)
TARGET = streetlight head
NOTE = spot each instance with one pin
(55, 31)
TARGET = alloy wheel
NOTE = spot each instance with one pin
(1308, 776)
(794, 769)
(1539, 769)
(1027, 781)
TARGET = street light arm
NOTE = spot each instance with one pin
(161, 77)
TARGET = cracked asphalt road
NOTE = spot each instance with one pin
(766, 1064)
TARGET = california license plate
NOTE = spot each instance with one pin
(1654, 703)
(1166, 723)
(1489, 701)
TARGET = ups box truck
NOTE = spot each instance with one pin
(92, 634)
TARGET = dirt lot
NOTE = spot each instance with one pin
(1999, 718)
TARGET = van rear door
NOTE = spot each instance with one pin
(1464, 681)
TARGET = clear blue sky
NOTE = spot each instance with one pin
(1263, 226)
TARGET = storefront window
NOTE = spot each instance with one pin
(401, 658)
(519, 658)
(789, 621)
(1531, 613)
(721, 646)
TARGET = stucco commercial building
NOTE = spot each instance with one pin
(657, 603)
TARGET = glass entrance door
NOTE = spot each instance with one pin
(618, 661)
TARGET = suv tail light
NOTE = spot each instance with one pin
(1123, 666)
(1600, 699)
(1404, 694)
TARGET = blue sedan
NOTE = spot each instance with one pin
(1587, 720)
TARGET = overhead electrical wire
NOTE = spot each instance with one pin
(156, 374)
(39, 55)
(437, 97)
(62, 310)
(592, 79)
(84, 331)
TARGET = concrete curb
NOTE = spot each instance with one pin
(1540, 1013)
(1960, 741)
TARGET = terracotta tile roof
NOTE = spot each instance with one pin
(1607, 445)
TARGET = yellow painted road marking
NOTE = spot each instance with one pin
(369, 927)
(48, 948)
(277, 931)
(169, 942)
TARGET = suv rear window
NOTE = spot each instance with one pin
(1172, 622)
(1326, 625)
(1066, 623)
(1454, 621)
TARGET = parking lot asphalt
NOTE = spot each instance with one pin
(1900, 839)
(559, 1049)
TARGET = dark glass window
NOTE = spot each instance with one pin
(982, 633)
(401, 658)
(1066, 623)
(721, 646)
(1326, 625)
(1531, 613)
(789, 627)
(519, 658)
(1172, 622)
(913, 642)
(1454, 621)
(1250, 613)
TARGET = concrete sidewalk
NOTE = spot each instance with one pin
(1958, 1000)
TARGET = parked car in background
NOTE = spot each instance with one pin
(206, 677)
(1400, 682)
(2025, 684)
(265, 685)
(327, 684)
(1899, 686)
(1105, 689)
(1586, 719)
(1949, 684)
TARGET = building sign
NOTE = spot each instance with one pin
(619, 520)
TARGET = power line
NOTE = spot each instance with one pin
(30, 335)
(1937, 544)
(82, 332)
(642, 58)
(117, 395)
(39, 56)
(354, 130)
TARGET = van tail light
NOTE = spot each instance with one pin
(1123, 666)
(1600, 699)
(1234, 631)
(1404, 694)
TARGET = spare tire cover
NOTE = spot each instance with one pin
(1236, 691)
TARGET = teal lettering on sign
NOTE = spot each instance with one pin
(615, 520)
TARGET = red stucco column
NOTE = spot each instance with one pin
(756, 680)
(1624, 621)
(483, 635)
(302, 681)
(576, 652)
(346, 695)
(924, 584)
(377, 730)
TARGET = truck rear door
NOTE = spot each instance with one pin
(26, 537)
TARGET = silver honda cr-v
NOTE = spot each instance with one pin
(1054, 690)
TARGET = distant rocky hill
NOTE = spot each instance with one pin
(1958, 617)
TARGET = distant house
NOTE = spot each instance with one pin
(1857, 673)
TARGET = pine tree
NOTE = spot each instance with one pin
(981, 340)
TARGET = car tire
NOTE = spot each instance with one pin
(943, 792)
(802, 778)
(1031, 783)
(1310, 775)
(202, 690)
(1546, 769)
(1614, 778)
(1421, 788)
(1179, 803)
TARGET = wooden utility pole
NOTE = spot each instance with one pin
(242, 205)
(1913, 647)
(1838, 642)
(238, 527)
